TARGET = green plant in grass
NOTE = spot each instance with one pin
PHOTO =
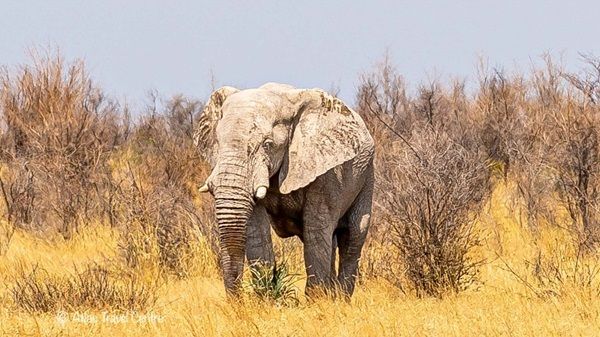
(274, 283)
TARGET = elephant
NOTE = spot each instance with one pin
(299, 161)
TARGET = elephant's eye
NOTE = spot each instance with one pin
(268, 144)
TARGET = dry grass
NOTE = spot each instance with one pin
(502, 305)
(94, 287)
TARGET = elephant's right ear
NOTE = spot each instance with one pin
(205, 134)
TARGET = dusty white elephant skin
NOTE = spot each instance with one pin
(297, 160)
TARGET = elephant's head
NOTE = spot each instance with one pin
(249, 136)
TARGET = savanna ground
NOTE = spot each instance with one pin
(500, 306)
(485, 221)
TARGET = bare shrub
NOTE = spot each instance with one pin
(535, 184)
(94, 287)
(64, 128)
(72, 157)
(162, 224)
(440, 186)
(18, 193)
(587, 82)
(577, 155)
(431, 178)
(158, 232)
(429, 103)
(499, 101)
(532, 147)
(517, 117)
(382, 95)
(578, 168)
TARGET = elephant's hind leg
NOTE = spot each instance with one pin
(351, 240)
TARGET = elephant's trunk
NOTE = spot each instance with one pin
(233, 205)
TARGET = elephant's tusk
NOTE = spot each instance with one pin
(203, 188)
(261, 191)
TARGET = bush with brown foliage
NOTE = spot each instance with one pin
(431, 179)
(71, 157)
(161, 173)
(58, 131)
(577, 154)
(434, 191)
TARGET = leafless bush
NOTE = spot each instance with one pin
(64, 128)
(382, 260)
(18, 194)
(517, 117)
(382, 95)
(577, 164)
(431, 177)
(428, 103)
(158, 230)
(71, 156)
(535, 184)
(434, 191)
(588, 82)
(162, 224)
(559, 148)
(532, 145)
(499, 103)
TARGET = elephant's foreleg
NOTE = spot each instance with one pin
(318, 246)
(259, 247)
(351, 240)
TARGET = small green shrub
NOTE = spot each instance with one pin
(274, 283)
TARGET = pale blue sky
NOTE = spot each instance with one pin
(132, 46)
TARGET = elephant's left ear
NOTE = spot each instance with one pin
(327, 134)
(205, 134)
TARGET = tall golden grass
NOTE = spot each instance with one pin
(507, 302)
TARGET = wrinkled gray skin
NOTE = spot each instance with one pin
(297, 160)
